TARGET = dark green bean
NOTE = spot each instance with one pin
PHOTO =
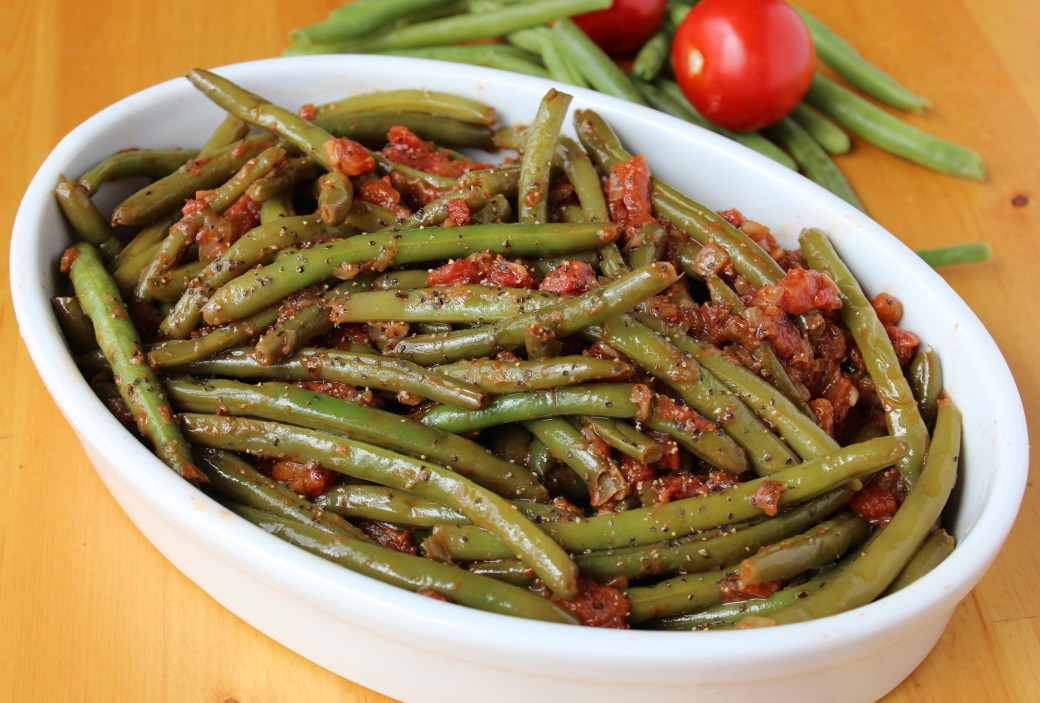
(371, 502)
(570, 447)
(76, 327)
(135, 162)
(821, 545)
(675, 596)
(500, 377)
(598, 68)
(464, 303)
(926, 381)
(119, 342)
(533, 200)
(88, 223)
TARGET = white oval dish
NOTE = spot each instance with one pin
(370, 632)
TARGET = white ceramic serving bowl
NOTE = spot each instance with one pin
(370, 632)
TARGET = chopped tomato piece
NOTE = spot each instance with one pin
(308, 479)
(733, 590)
(628, 195)
(570, 278)
(596, 605)
(767, 496)
(888, 308)
(879, 499)
(905, 343)
(800, 291)
(388, 536)
(348, 157)
(483, 268)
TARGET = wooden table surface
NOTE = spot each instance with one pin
(90, 611)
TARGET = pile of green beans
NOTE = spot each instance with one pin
(497, 433)
(539, 39)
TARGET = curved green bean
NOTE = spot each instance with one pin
(533, 200)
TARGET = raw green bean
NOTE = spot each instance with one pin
(259, 288)
(830, 136)
(277, 401)
(560, 67)
(956, 254)
(564, 318)
(463, 303)
(500, 56)
(238, 480)
(119, 342)
(666, 96)
(570, 447)
(370, 463)
(500, 377)
(533, 201)
(411, 100)
(359, 19)
(843, 58)
(88, 223)
(813, 159)
(929, 555)
(892, 134)
(411, 572)
(598, 68)
(386, 505)
(821, 545)
(901, 413)
(459, 28)
(926, 381)
(653, 54)
(882, 560)
(136, 162)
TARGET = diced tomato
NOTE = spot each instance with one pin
(308, 479)
(628, 195)
(684, 485)
(409, 149)
(483, 268)
(905, 343)
(596, 605)
(348, 157)
(767, 496)
(458, 213)
(307, 111)
(879, 499)
(388, 536)
(570, 278)
(800, 291)
(733, 590)
(888, 308)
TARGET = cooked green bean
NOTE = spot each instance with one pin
(76, 327)
(882, 560)
(533, 201)
(135, 162)
(598, 472)
(119, 342)
(892, 134)
(675, 596)
(230, 130)
(929, 555)
(500, 377)
(386, 505)
(373, 126)
(821, 545)
(368, 462)
(213, 341)
(410, 572)
(901, 413)
(335, 196)
(428, 101)
(88, 223)
(926, 381)
(277, 401)
(564, 318)
(463, 303)
(259, 288)
(625, 438)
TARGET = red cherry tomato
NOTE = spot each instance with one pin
(624, 26)
(743, 64)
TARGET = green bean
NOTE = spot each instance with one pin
(546, 265)
(926, 380)
(653, 54)
(559, 66)
(820, 545)
(843, 58)
(626, 438)
(276, 401)
(76, 327)
(432, 102)
(247, 251)
(510, 571)
(591, 61)
(294, 170)
(570, 447)
(411, 572)
(813, 159)
(359, 19)
(463, 303)
(892, 134)
(335, 196)
(136, 162)
(170, 286)
(666, 95)
(216, 340)
(830, 136)
(259, 288)
(305, 318)
(533, 201)
(373, 126)
(354, 368)
(602, 399)
(504, 180)
(956, 254)
(370, 463)
(564, 318)
(642, 526)
(674, 596)
(238, 480)
(700, 222)
(711, 549)
(932, 552)
(88, 223)
(459, 28)
(882, 560)
(119, 342)
(500, 56)
(401, 280)
(500, 377)
(531, 39)
(386, 505)
(510, 442)
(170, 192)
(541, 460)
(729, 614)
(700, 389)
(901, 413)
(496, 211)
(138, 252)
(715, 448)
(230, 130)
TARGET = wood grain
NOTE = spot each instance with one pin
(89, 611)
